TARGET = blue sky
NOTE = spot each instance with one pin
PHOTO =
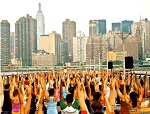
(81, 11)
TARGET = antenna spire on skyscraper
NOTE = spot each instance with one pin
(39, 6)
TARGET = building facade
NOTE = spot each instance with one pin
(42, 58)
(5, 42)
(141, 31)
(116, 26)
(101, 26)
(126, 26)
(25, 39)
(79, 48)
(40, 25)
(12, 44)
(52, 44)
(68, 32)
(93, 26)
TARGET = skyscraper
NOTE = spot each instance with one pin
(92, 28)
(26, 39)
(40, 25)
(116, 26)
(12, 46)
(5, 42)
(69, 31)
(101, 26)
(126, 26)
(79, 48)
(52, 44)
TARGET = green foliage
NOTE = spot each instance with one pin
(117, 62)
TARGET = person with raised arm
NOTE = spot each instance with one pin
(7, 106)
(1, 94)
(134, 101)
(120, 92)
(14, 96)
(70, 107)
(110, 103)
(52, 98)
(41, 96)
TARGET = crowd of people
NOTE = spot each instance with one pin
(72, 92)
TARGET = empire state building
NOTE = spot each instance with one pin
(40, 25)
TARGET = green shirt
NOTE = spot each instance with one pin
(75, 104)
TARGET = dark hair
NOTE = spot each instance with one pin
(15, 93)
(98, 112)
(120, 77)
(69, 98)
(141, 82)
(6, 86)
(26, 78)
(51, 92)
(97, 107)
(122, 88)
(96, 95)
(133, 97)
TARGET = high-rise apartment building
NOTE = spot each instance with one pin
(93, 26)
(101, 26)
(5, 42)
(68, 32)
(25, 39)
(93, 49)
(126, 26)
(40, 25)
(141, 31)
(79, 48)
(12, 44)
(116, 26)
(52, 44)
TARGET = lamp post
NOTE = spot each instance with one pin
(121, 35)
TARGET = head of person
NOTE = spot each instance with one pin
(51, 92)
(15, 93)
(134, 97)
(69, 98)
(96, 107)
(122, 88)
(96, 96)
(6, 86)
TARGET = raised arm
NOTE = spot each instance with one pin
(1, 93)
(81, 99)
(134, 83)
(12, 84)
(27, 107)
(125, 94)
(42, 94)
(146, 81)
(117, 89)
(56, 91)
(89, 90)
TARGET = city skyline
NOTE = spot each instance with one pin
(55, 12)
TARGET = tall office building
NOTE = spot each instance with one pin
(69, 31)
(141, 31)
(79, 48)
(25, 39)
(126, 26)
(5, 42)
(116, 26)
(40, 25)
(93, 26)
(12, 44)
(52, 44)
(101, 26)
